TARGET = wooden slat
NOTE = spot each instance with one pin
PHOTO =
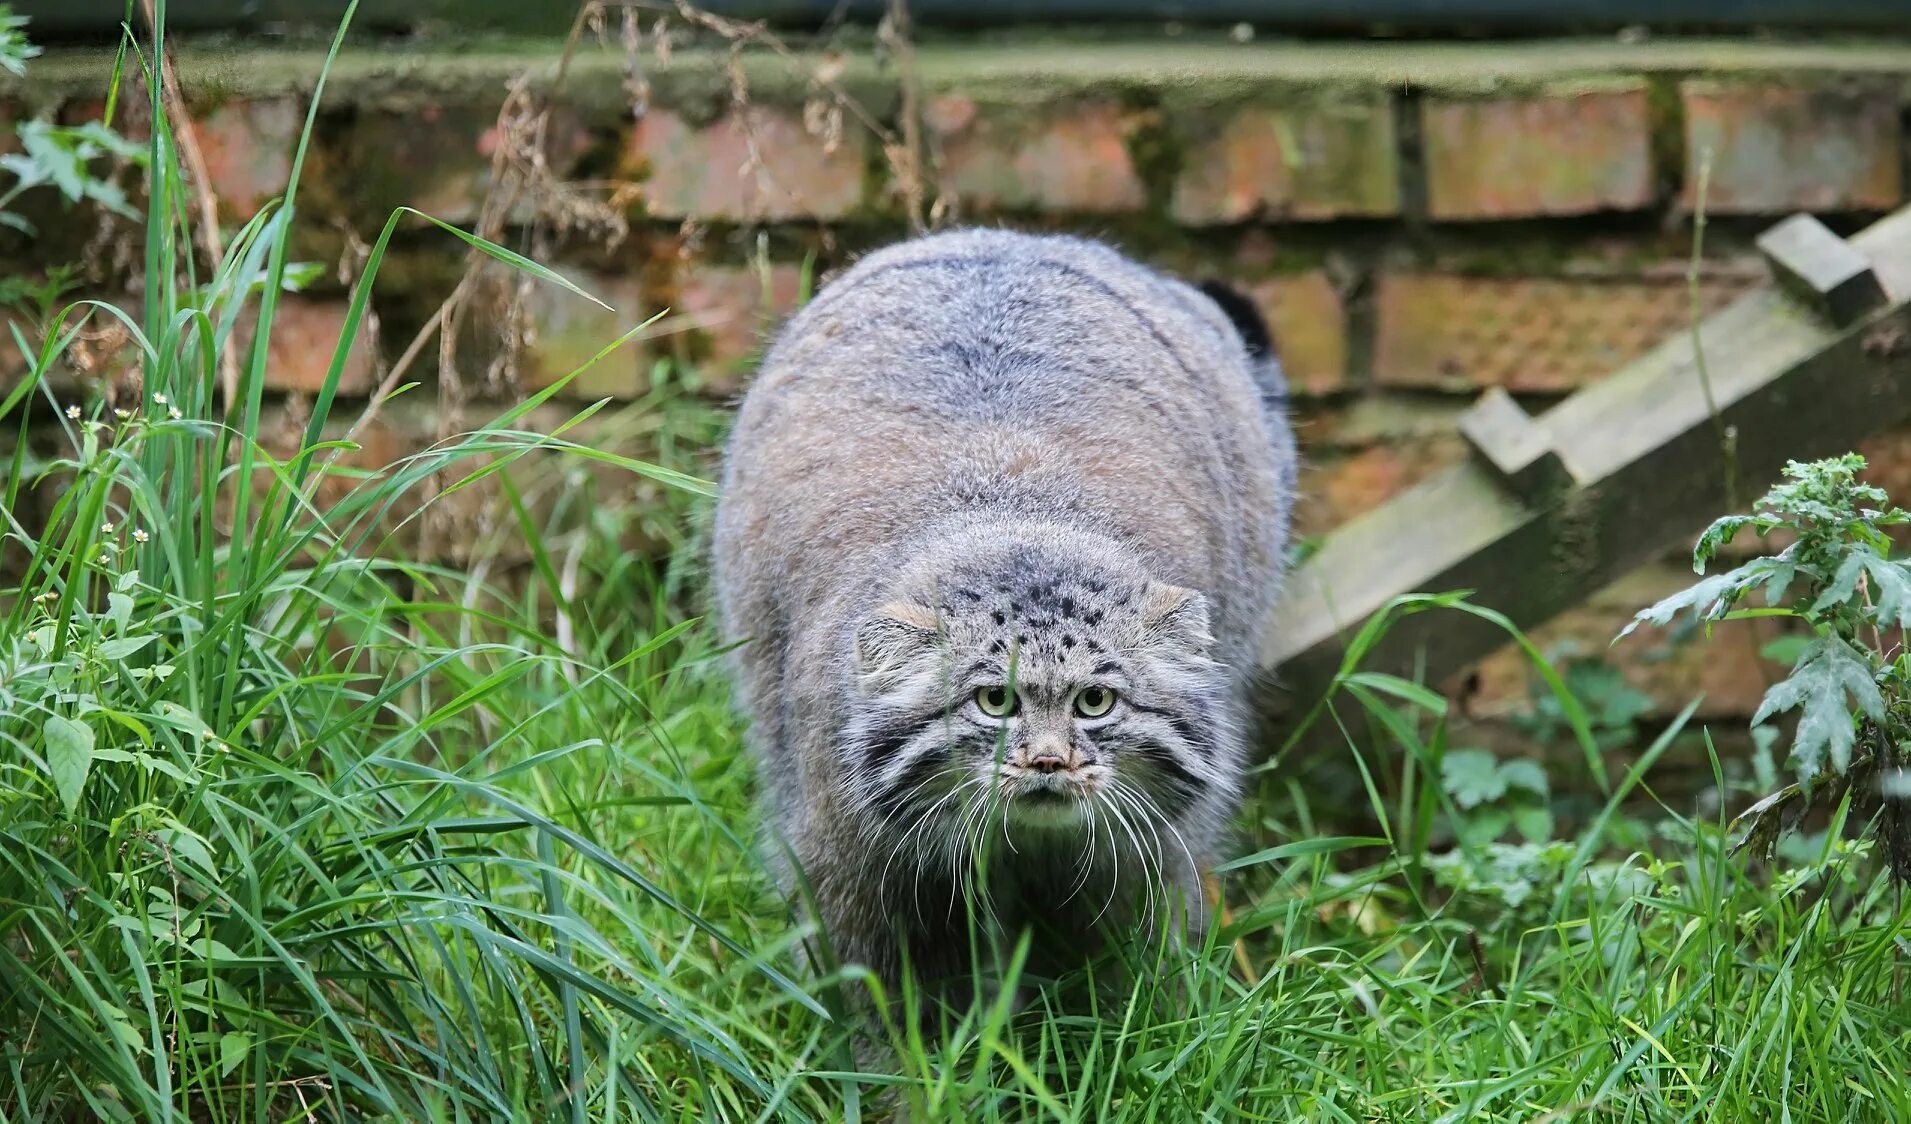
(1821, 270)
(1513, 447)
(1644, 447)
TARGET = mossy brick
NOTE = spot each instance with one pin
(1380, 418)
(567, 331)
(1323, 159)
(731, 311)
(1070, 157)
(1338, 485)
(757, 164)
(1309, 323)
(1440, 331)
(248, 146)
(1776, 148)
(1566, 151)
(305, 335)
(130, 118)
(435, 158)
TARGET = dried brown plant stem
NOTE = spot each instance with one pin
(907, 162)
(186, 139)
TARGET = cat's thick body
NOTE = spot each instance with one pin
(1004, 407)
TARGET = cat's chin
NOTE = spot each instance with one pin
(1050, 808)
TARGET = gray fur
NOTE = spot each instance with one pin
(976, 448)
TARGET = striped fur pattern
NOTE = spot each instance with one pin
(985, 462)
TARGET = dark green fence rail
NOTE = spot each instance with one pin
(81, 18)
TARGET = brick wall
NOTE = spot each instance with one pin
(1419, 221)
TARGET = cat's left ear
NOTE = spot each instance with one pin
(896, 636)
(1177, 616)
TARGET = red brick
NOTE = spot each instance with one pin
(1784, 148)
(1563, 152)
(130, 118)
(248, 149)
(1888, 457)
(436, 159)
(1310, 330)
(1070, 157)
(305, 334)
(757, 165)
(1726, 668)
(1321, 161)
(733, 310)
(568, 330)
(1337, 487)
(11, 114)
(1535, 334)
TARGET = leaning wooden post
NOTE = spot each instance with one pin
(1550, 508)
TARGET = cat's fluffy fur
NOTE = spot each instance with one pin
(982, 449)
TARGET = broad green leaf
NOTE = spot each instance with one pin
(190, 846)
(1535, 824)
(124, 646)
(1844, 582)
(1721, 532)
(69, 755)
(1890, 591)
(1828, 673)
(119, 610)
(1708, 599)
(1472, 777)
(1525, 774)
(1484, 826)
(233, 1049)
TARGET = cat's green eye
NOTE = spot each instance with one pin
(1093, 702)
(996, 701)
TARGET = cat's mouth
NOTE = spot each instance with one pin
(1052, 799)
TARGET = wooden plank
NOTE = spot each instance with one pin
(1821, 270)
(1645, 448)
(1513, 447)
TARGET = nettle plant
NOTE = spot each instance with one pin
(1850, 686)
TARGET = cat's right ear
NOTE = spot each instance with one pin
(888, 643)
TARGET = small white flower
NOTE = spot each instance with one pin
(160, 398)
(173, 413)
(73, 412)
(104, 558)
(106, 528)
(140, 535)
(122, 414)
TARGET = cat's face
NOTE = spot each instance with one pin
(1044, 690)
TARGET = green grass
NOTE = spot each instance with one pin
(292, 826)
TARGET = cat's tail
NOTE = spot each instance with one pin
(1258, 339)
(1246, 317)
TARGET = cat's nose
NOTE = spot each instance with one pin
(1048, 760)
(1050, 754)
